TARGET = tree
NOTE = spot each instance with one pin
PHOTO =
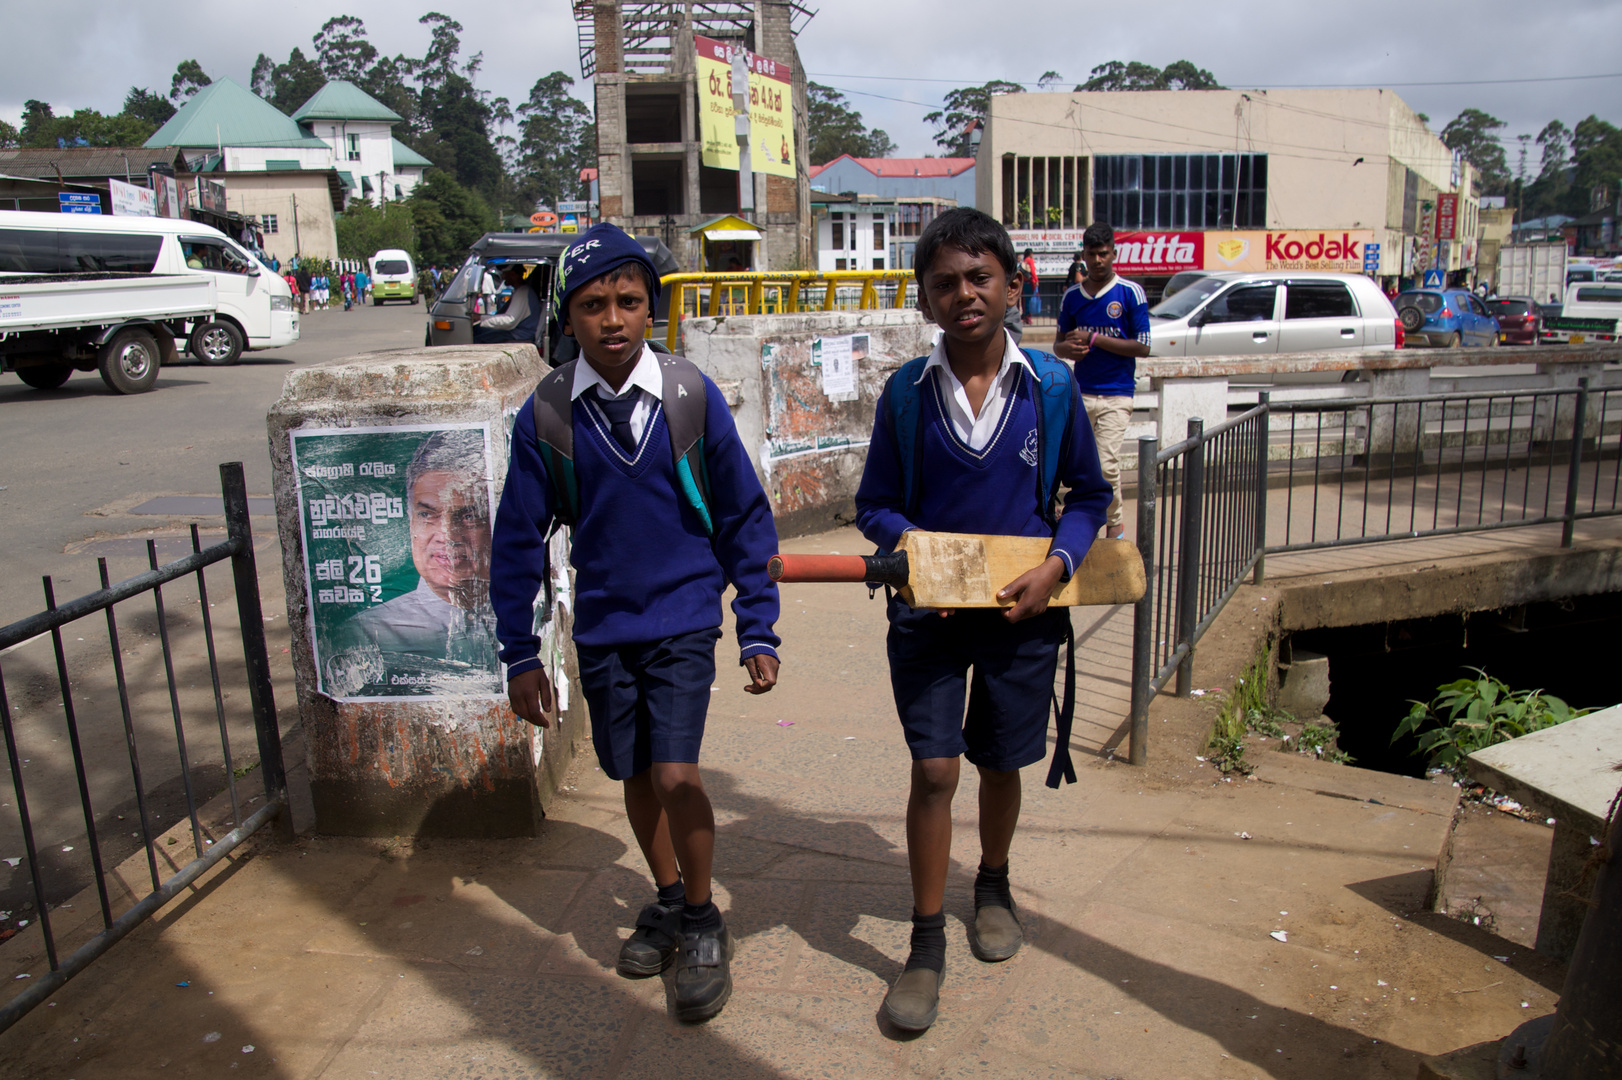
(37, 115)
(1473, 133)
(295, 82)
(342, 50)
(448, 218)
(964, 109)
(364, 229)
(1135, 75)
(556, 139)
(43, 129)
(141, 104)
(189, 78)
(1596, 146)
(837, 129)
(9, 139)
(261, 80)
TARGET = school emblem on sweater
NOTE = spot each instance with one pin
(1029, 454)
(1114, 309)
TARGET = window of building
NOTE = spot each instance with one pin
(840, 264)
(267, 223)
(878, 235)
(652, 117)
(1180, 191)
(878, 263)
(657, 186)
(1044, 192)
(354, 148)
(838, 225)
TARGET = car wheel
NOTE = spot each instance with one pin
(217, 343)
(45, 376)
(1492, 341)
(129, 362)
(1412, 318)
(1452, 341)
(377, 301)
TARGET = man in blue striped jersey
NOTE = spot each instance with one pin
(1103, 329)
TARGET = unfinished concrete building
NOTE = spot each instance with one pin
(650, 144)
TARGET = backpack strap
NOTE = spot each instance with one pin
(685, 405)
(553, 407)
(906, 401)
(1054, 394)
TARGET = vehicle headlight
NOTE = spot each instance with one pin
(281, 303)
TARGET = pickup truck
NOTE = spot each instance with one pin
(122, 325)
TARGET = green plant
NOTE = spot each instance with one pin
(1469, 714)
(1226, 743)
(1315, 740)
(1055, 213)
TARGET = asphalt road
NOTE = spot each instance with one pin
(75, 463)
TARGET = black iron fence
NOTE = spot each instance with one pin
(1299, 476)
(238, 550)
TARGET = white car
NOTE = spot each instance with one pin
(1232, 313)
(1599, 304)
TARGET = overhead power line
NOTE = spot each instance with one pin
(1272, 86)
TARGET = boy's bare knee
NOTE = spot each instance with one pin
(992, 778)
(934, 777)
(676, 780)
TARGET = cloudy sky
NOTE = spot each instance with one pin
(1439, 58)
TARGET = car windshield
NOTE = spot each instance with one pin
(465, 281)
(1181, 281)
(393, 266)
(1508, 307)
(1429, 303)
(1187, 300)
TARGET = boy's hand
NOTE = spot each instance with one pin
(1073, 346)
(1032, 589)
(530, 695)
(762, 670)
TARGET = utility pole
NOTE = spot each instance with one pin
(740, 106)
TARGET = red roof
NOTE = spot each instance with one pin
(588, 175)
(910, 166)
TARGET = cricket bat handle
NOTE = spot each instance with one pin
(883, 569)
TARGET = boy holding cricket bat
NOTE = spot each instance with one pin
(978, 428)
(638, 452)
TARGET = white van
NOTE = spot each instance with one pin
(1591, 313)
(394, 276)
(256, 305)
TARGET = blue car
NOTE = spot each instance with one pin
(1445, 317)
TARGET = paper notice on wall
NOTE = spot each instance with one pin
(838, 356)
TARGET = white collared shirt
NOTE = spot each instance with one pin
(644, 377)
(1093, 294)
(976, 431)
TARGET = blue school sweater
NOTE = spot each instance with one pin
(644, 568)
(993, 491)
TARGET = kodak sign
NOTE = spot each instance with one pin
(1340, 250)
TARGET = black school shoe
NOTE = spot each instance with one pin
(652, 945)
(703, 974)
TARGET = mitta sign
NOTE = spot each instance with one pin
(1156, 253)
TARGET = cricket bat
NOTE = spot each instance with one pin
(965, 570)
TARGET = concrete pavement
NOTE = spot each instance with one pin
(1151, 899)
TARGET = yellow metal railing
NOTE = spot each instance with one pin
(784, 292)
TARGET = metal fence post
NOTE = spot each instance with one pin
(1265, 421)
(1575, 469)
(1188, 572)
(1143, 612)
(245, 577)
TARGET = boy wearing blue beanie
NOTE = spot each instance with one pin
(638, 453)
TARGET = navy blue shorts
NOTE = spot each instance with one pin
(1009, 693)
(648, 701)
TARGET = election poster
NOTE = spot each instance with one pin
(771, 110)
(396, 531)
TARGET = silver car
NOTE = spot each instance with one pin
(1232, 313)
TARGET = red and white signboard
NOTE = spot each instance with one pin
(1447, 216)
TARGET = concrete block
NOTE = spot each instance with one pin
(1304, 685)
(460, 764)
(809, 446)
(1396, 429)
(1182, 399)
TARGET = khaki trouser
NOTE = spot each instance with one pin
(1109, 417)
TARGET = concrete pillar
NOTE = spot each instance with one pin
(1396, 429)
(1180, 399)
(1554, 416)
(387, 468)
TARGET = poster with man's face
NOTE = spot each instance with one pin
(396, 527)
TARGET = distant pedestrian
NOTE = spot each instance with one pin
(1077, 271)
(303, 277)
(363, 285)
(1028, 286)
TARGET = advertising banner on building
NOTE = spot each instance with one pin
(131, 201)
(771, 110)
(166, 193)
(1135, 252)
(1339, 250)
(210, 195)
(1447, 214)
(396, 529)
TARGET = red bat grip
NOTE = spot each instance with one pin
(817, 568)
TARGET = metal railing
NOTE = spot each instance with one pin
(787, 292)
(1353, 471)
(238, 549)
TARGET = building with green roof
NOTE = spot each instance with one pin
(359, 130)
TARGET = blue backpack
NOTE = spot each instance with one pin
(1055, 386)
(1053, 419)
